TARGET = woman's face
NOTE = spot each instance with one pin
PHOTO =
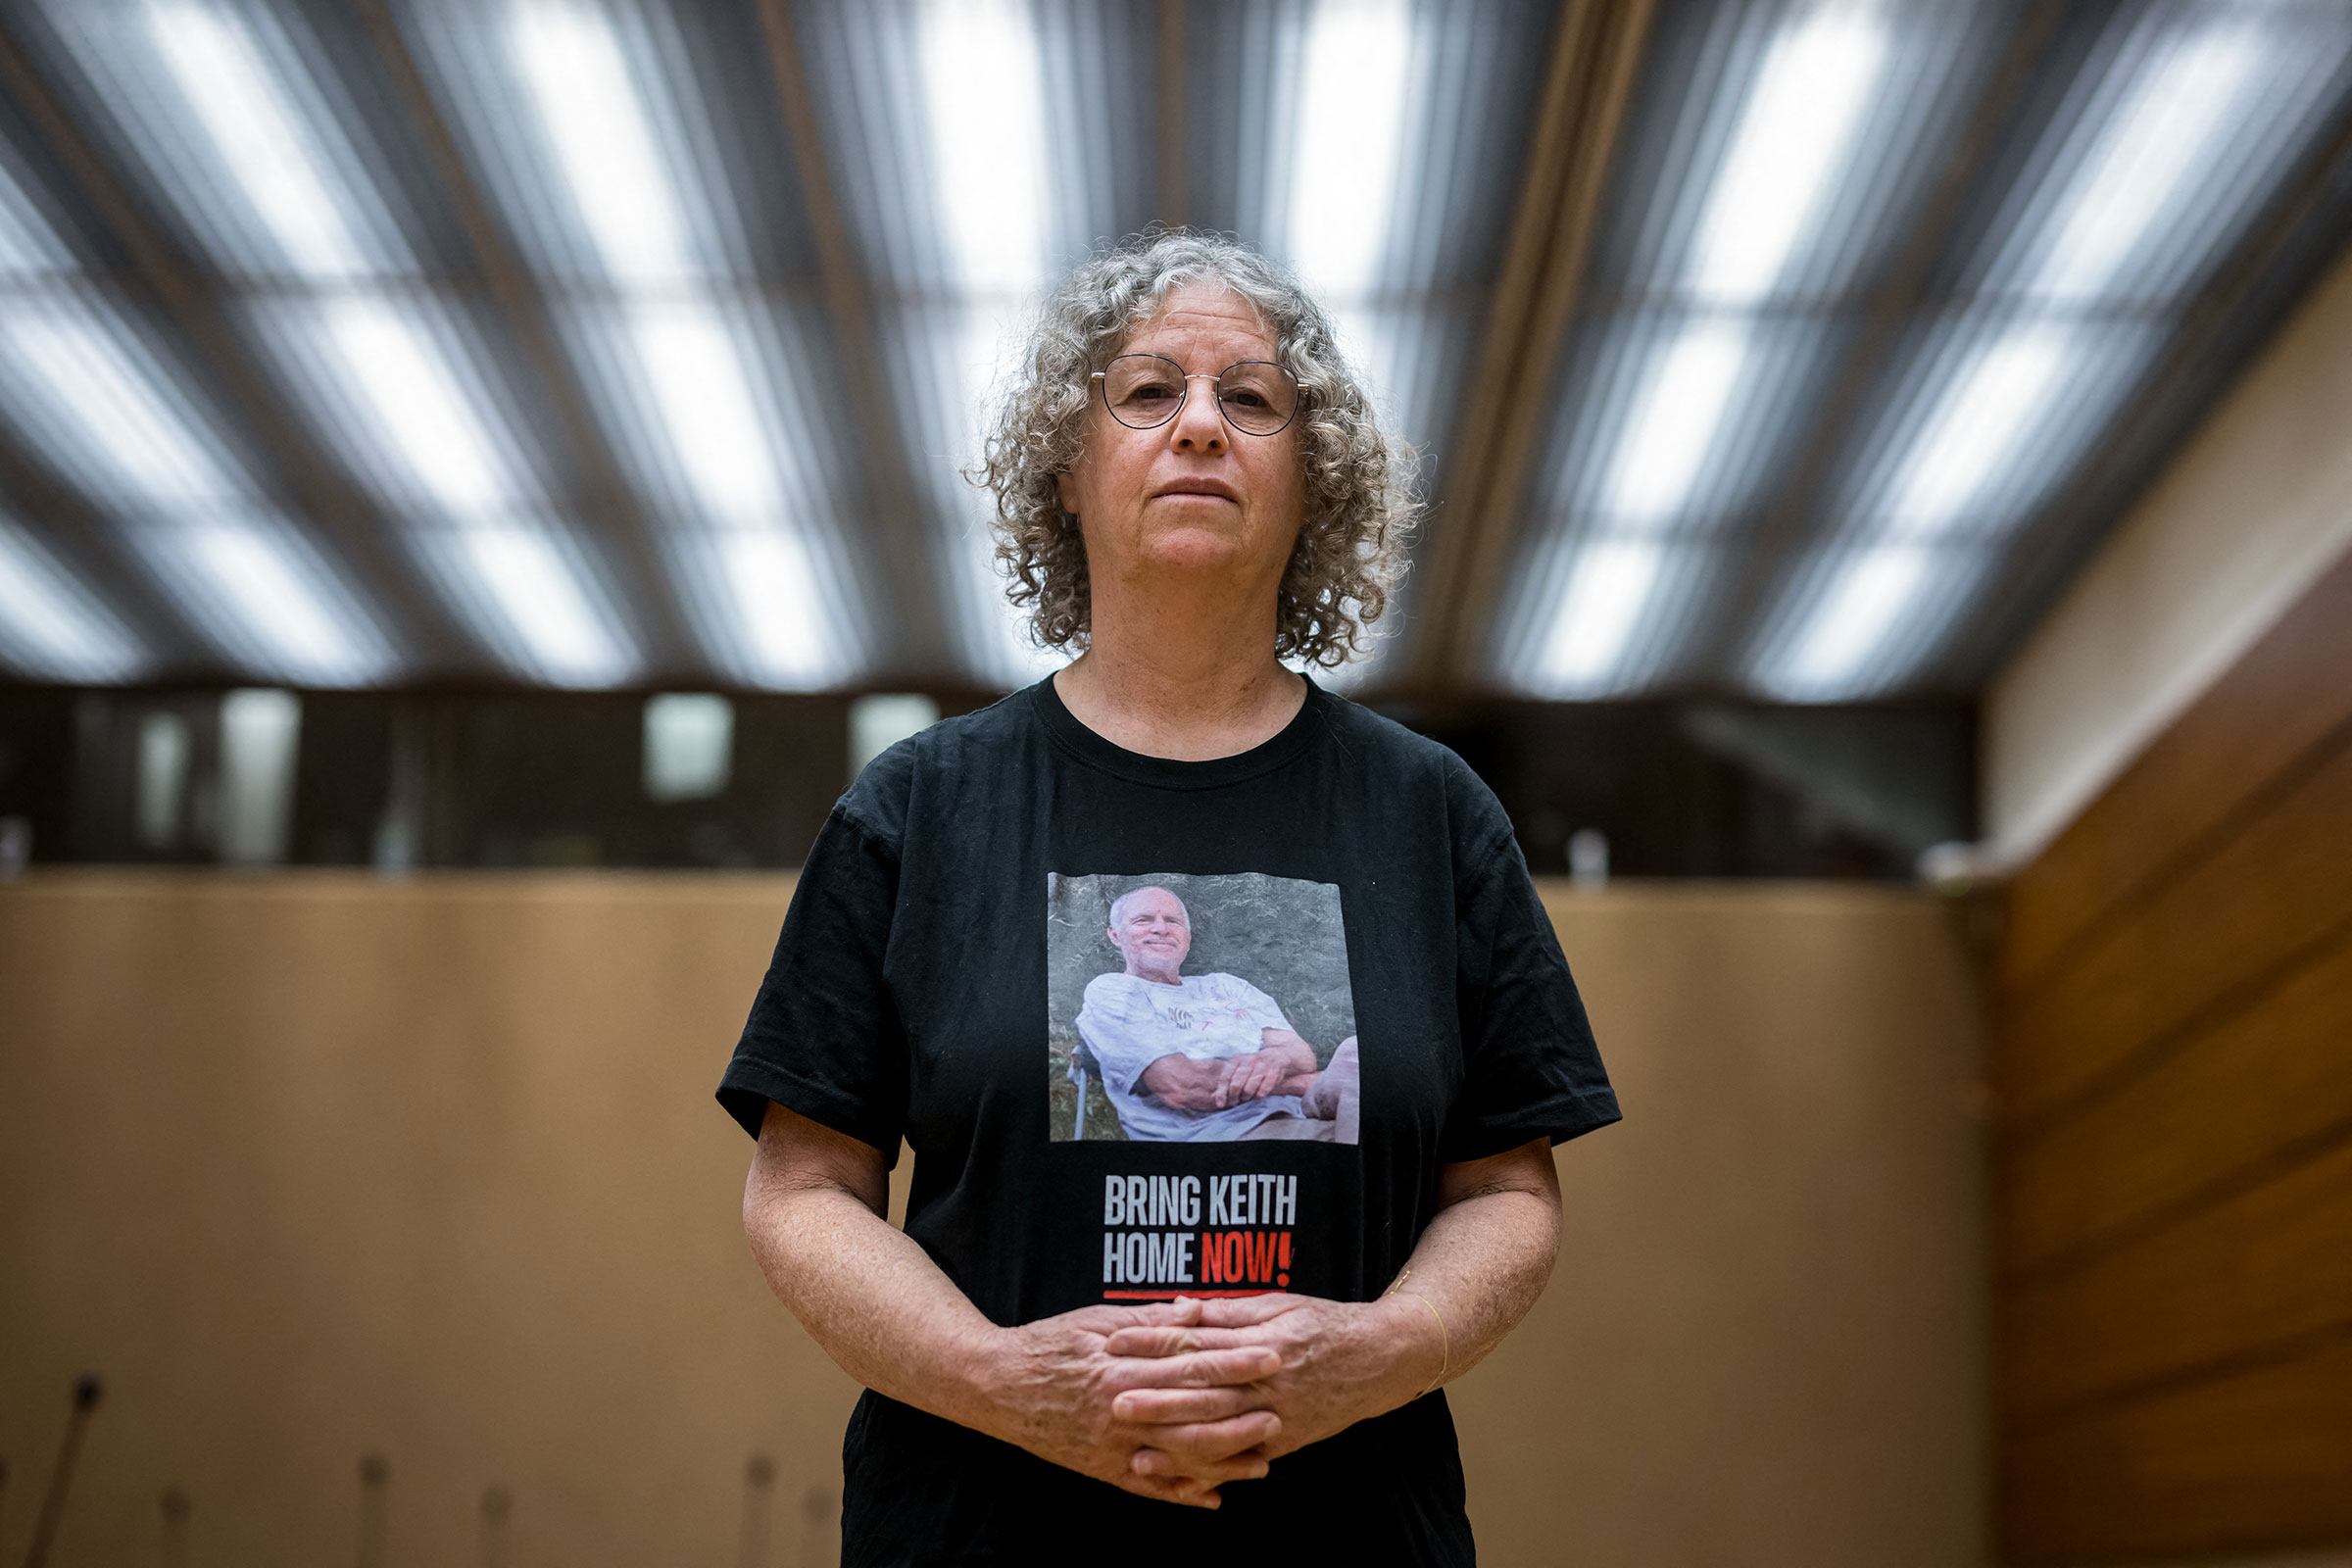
(1194, 495)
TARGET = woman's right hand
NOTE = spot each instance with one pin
(1050, 1384)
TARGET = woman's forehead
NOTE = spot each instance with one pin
(1205, 318)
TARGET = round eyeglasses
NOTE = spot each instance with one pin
(1145, 391)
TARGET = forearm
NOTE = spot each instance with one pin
(1182, 1084)
(1480, 1264)
(871, 1297)
(1297, 1059)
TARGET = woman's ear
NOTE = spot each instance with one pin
(1065, 490)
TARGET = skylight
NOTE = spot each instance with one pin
(691, 372)
(413, 403)
(594, 119)
(2159, 141)
(1673, 425)
(263, 144)
(275, 611)
(1607, 589)
(80, 380)
(1347, 142)
(1794, 139)
(1851, 622)
(1993, 403)
(49, 627)
(28, 248)
(696, 379)
(2171, 127)
(1795, 136)
(984, 95)
(776, 604)
(543, 602)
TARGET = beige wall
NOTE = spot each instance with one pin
(314, 1166)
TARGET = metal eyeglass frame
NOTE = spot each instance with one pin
(1189, 378)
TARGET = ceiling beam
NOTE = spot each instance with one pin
(1796, 512)
(2148, 428)
(914, 600)
(1596, 55)
(663, 619)
(422, 630)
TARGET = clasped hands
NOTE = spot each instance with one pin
(1172, 1401)
(1285, 1064)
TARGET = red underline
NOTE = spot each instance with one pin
(1170, 1295)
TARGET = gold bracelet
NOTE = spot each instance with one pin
(1444, 1340)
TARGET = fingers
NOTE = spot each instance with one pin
(1197, 1369)
(1182, 1310)
(1246, 1311)
(1247, 1464)
(1154, 1340)
(1161, 1406)
(1182, 1490)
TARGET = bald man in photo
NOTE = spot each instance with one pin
(1204, 1057)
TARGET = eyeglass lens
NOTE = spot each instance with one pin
(1145, 390)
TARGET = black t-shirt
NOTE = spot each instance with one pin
(1156, 1027)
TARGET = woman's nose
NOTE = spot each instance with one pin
(1199, 427)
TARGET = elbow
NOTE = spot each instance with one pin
(761, 1217)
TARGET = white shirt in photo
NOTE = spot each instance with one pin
(1129, 1023)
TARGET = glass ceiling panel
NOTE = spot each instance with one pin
(52, 627)
(2179, 125)
(87, 393)
(968, 182)
(257, 587)
(393, 386)
(1378, 147)
(235, 113)
(233, 125)
(612, 139)
(706, 400)
(1692, 517)
(1683, 426)
(29, 246)
(1776, 155)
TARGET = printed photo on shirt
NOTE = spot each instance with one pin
(1198, 1010)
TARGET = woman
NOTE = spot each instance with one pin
(1072, 1334)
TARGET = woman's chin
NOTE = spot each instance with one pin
(1198, 550)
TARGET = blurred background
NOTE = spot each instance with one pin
(479, 477)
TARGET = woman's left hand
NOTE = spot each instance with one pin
(1341, 1362)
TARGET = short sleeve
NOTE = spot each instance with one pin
(1530, 1066)
(824, 1038)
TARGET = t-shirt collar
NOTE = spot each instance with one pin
(1163, 773)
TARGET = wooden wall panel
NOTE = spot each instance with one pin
(2210, 944)
(2175, 1078)
(2282, 698)
(2217, 1115)
(2268, 1267)
(2237, 1464)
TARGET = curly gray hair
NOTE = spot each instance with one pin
(1360, 499)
